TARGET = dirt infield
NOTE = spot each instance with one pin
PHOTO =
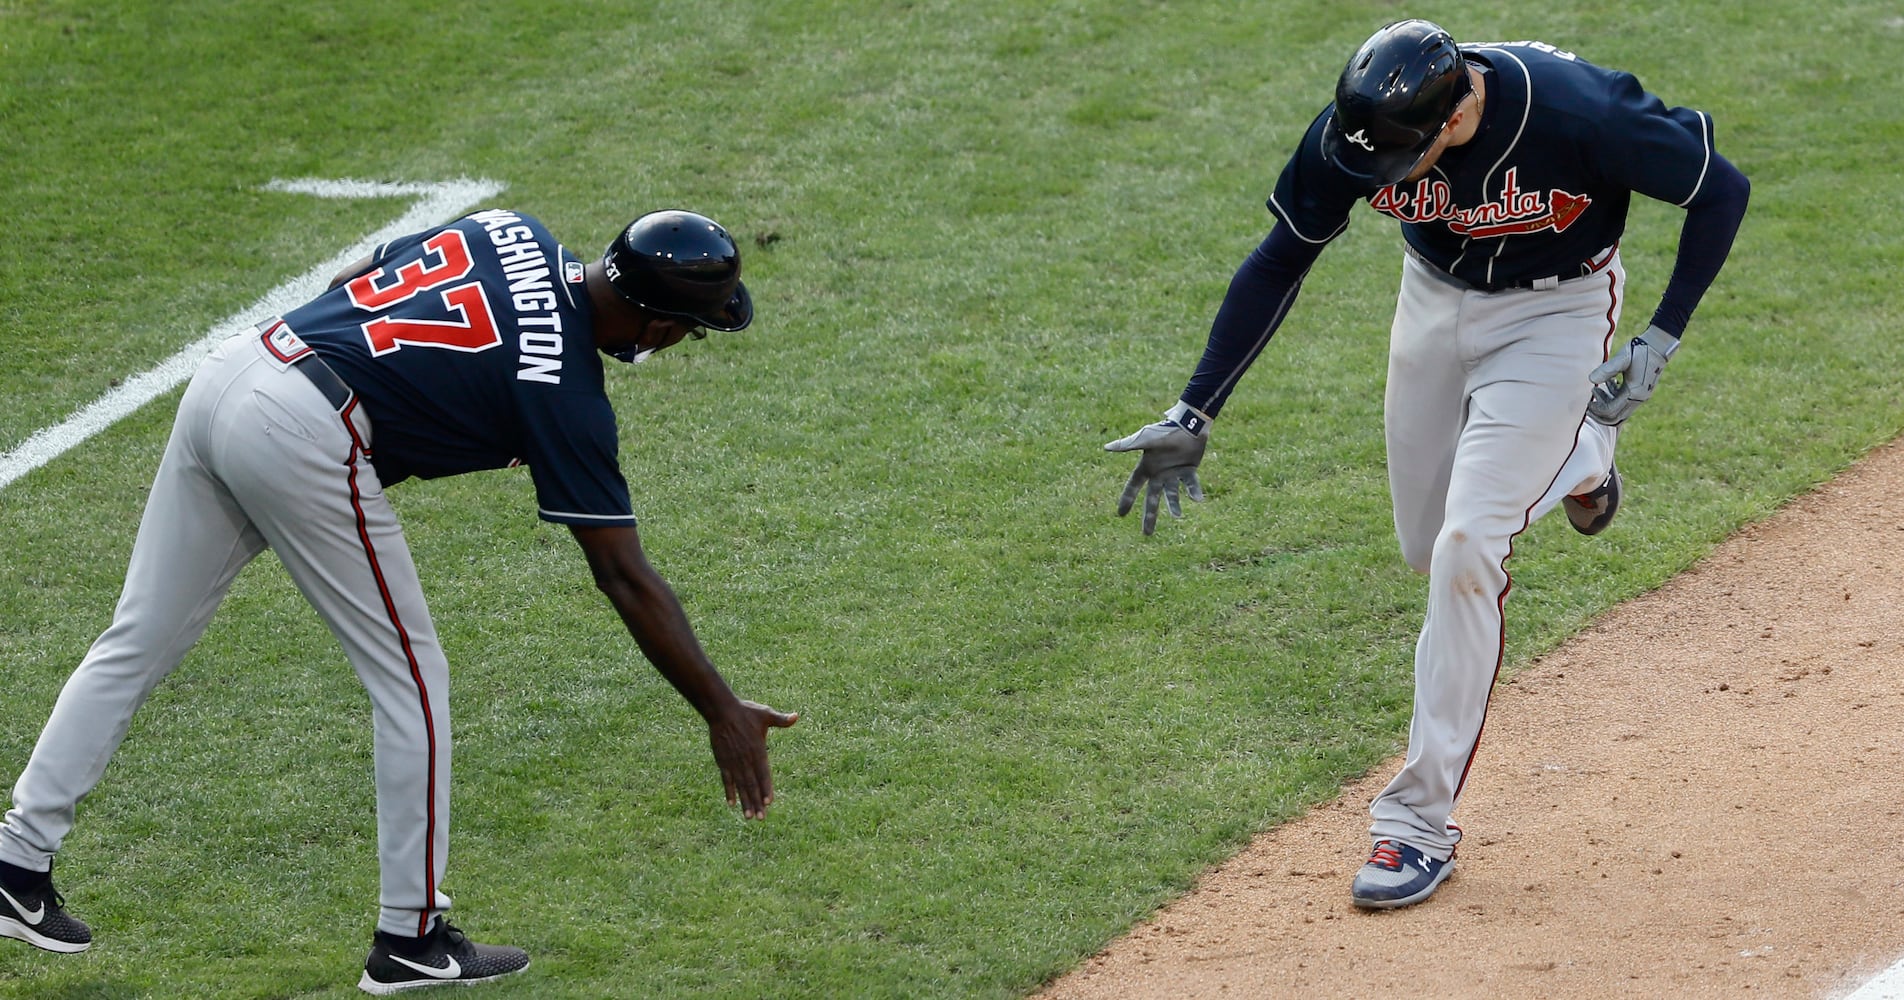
(1694, 798)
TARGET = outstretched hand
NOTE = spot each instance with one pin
(1171, 453)
(740, 748)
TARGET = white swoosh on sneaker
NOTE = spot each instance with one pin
(31, 916)
(452, 971)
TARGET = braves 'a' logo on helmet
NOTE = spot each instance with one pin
(1360, 138)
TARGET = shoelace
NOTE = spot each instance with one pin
(59, 901)
(1386, 855)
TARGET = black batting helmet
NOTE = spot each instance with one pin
(1394, 97)
(681, 265)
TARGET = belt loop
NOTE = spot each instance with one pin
(1601, 260)
(1545, 284)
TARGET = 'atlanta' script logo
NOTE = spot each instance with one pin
(1514, 213)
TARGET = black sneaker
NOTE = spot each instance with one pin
(1592, 511)
(441, 957)
(31, 911)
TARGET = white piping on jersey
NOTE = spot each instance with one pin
(1527, 109)
(545, 512)
(1283, 214)
(1705, 136)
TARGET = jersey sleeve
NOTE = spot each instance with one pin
(1667, 154)
(1660, 152)
(573, 456)
(1260, 295)
(1311, 197)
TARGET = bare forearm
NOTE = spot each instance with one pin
(737, 730)
(660, 627)
(356, 268)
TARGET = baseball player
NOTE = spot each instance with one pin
(469, 346)
(1510, 167)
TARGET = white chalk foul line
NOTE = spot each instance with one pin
(1887, 985)
(436, 202)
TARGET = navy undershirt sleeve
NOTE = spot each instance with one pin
(1712, 220)
(1260, 295)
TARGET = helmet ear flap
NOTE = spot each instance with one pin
(680, 265)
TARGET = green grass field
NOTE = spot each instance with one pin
(984, 237)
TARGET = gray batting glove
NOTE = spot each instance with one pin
(1171, 453)
(1628, 378)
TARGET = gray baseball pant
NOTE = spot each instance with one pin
(1486, 399)
(259, 457)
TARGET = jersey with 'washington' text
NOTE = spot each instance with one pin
(471, 347)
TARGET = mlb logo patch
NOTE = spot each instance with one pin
(572, 271)
(284, 344)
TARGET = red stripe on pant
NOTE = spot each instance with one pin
(1613, 308)
(423, 693)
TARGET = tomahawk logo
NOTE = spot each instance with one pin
(1360, 138)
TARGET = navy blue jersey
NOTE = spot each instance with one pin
(471, 346)
(1544, 184)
